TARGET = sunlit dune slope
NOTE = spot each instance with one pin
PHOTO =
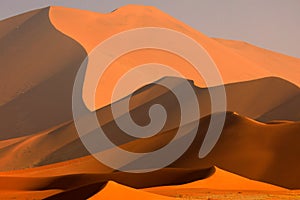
(62, 143)
(41, 155)
(42, 77)
(277, 153)
(86, 187)
(109, 192)
(66, 180)
(34, 113)
(88, 31)
(234, 64)
(221, 180)
(281, 65)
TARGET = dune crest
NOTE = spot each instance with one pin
(42, 156)
(109, 192)
(62, 143)
(39, 65)
(88, 31)
(281, 65)
(217, 182)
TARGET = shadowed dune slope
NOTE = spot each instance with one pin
(38, 66)
(34, 113)
(88, 31)
(62, 143)
(45, 71)
(272, 158)
(275, 163)
(283, 111)
(233, 65)
(42, 156)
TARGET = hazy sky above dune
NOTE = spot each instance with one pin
(272, 24)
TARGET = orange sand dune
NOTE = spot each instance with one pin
(235, 182)
(284, 111)
(111, 190)
(48, 88)
(38, 68)
(242, 158)
(62, 143)
(43, 182)
(42, 51)
(88, 31)
(115, 191)
(32, 52)
(223, 180)
(281, 65)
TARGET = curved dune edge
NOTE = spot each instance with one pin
(85, 185)
(223, 180)
(284, 66)
(33, 52)
(257, 161)
(234, 64)
(39, 64)
(88, 167)
(61, 143)
(88, 164)
(88, 28)
(116, 191)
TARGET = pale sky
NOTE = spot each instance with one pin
(272, 24)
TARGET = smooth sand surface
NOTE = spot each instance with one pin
(234, 182)
(281, 65)
(222, 185)
(40, 152)
(39, 65)
(233, 152)
(88, 31)
(233, 65)
(61, 143)
(109, 192)
(48, 88)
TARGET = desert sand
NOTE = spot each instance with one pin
(61, 142)
(42, 156)
(88, 31)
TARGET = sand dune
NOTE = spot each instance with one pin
(25, 65)
(62, 143)
(283, 111)
(281, 65)
(109, 192)
(41, 155)
(275, 150)
(88, 175)
(215, 185)
(235, 151)
(49, 87)
(79, 185)
(234, 182)
(88, 31)
(35, 77)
